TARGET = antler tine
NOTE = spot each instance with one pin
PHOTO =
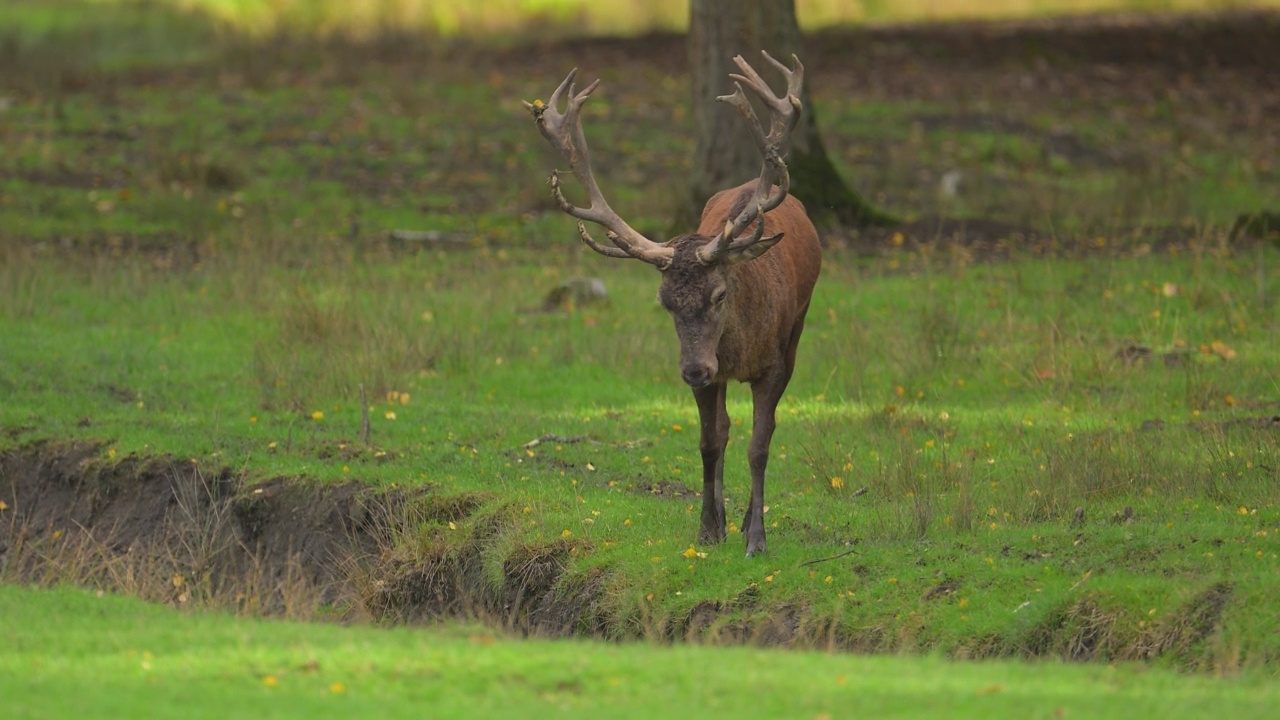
(793, 74)
(564, 132)
(602, 249)
(775, 180)
(738, 99)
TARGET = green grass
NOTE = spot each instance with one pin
(980, 407)
(70, 652)
(194, 265)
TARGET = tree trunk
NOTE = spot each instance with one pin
(725, 155)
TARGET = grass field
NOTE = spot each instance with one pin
(1036, 422)
(69, 652)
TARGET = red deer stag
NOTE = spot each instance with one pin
(738, 288)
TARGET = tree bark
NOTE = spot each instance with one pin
(725, 154)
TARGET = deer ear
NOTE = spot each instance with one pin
(752, 251)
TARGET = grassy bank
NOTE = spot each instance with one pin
(68, 652)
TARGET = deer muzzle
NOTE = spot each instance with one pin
(698, 374)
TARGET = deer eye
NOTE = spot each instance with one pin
(717, 297)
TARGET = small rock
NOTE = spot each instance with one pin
(576, 292)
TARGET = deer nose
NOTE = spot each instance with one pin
(696, 376)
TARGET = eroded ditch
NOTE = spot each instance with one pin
(173, 532)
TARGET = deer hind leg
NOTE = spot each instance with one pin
(714, 419)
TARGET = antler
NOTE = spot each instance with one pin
(564, 132)
(785, 112)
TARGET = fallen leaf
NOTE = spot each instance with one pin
(1222, 350)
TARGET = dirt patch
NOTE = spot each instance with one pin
(166, 250)
(664, 489)
(1085, 630)
(170, 531)
(149, 525)
(1196, 622)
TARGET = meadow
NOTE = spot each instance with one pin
(250, 285)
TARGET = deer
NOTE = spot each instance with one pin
(737, 288)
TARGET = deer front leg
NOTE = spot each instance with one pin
(714, 419)
(765, 397)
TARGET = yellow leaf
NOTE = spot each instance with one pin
(453, 526)
(317, 415)
(691, 553)
(1222, 350)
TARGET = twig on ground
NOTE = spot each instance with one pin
(837, 556)
(555, 438)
